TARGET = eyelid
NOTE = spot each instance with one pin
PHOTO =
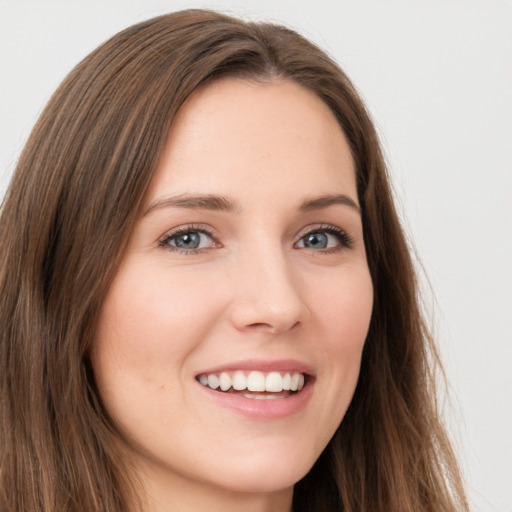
(345, 240)
(184, 229)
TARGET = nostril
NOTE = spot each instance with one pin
(260, 326)
(271, 328)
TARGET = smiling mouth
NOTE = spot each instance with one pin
(255, 384)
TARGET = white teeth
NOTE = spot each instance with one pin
(274, 382)
(294, 384)
(286, 382)
(260, 397)
(256, 381)
(213, 381)
(225, 381)
(239, 381)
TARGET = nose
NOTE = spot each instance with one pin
(267, 295)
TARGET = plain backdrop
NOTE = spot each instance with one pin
(437, 77)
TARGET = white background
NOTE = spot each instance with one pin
(437, 76)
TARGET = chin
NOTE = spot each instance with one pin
(260, 474)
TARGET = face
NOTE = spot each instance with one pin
(229, 343)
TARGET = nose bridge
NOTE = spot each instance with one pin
(267, 293)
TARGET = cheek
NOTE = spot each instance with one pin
(344, 313)
(151, 315)
(344, 306)
(148, 326)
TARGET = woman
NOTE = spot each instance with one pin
(207, 297)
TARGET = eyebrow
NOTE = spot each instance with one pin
(211, 202)
(214, 202)
(318, 203)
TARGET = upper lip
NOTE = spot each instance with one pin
(263, 365)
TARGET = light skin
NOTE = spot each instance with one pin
(249, 251)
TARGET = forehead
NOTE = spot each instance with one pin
(233, 132)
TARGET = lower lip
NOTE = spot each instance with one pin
(271, 409)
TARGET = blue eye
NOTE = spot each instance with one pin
(187, 240)
(316, 241)
(325, 238)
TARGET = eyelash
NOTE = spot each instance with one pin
(345, 241)
(165, 241)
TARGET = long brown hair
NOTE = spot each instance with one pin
(70, 208)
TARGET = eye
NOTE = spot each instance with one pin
(328, 237)
(187, 240)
